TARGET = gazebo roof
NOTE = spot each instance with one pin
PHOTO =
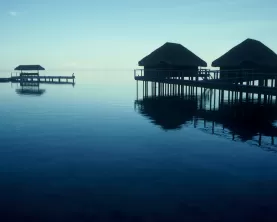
(29, 67)
(249, 51)
(172, 54)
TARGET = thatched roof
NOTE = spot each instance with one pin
(29, 67)
(249, 51)
(172, 54)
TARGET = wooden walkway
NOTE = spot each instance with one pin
(41, 79)
(211, 80)
(216, 85)
(5, 79)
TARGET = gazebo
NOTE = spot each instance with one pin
(172, 56)
(250, 55)
(29, 70)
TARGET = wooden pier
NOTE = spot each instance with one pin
(44, 79)
(30, 75)
(41, 79)
(5, 79)
(249, 82)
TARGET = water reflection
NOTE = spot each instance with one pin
(169, 112)
(232, 115)
(30, 88)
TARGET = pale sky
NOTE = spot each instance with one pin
(105, 34)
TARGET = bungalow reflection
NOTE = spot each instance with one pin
(168, 112)
(239, 117)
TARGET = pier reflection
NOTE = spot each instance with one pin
(30, 88)
(33, 88)
(233, 115)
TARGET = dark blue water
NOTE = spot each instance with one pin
(88, 153)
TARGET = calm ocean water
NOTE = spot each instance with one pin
(100, 152)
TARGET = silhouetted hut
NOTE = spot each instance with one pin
(29, 70)
(250, 55)
(173, 57)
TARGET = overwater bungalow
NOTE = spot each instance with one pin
(29, 70)
(249, 56)
(174, 58)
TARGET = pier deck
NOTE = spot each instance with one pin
(215, 85)
(267, 83)
(41, 79)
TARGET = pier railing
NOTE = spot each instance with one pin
(240, 76)
(15, 74)
(170, 73)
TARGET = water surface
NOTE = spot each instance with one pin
(100, 152)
